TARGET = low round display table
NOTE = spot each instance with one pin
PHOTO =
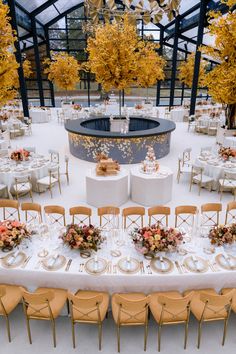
(151, 189)
(107, 190)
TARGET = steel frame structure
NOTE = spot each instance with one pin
(173, 31)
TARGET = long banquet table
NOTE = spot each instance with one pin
(33, 275)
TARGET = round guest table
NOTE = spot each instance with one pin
(39, 115)
(151, 189)
(107, 190)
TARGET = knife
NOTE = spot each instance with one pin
(68, 265)
(26, 262)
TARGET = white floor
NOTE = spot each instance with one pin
(53, 136)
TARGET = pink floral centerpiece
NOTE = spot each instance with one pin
(156, 238)
(223, 234)
(20, 155)
(12, 232)
(226, 153)
(82, 237)
(77, 107)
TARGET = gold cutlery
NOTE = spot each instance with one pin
(68, 265)
(149, 269)
(211, 266)
(142, 266)
(114, 269)
(178, 267)
(109, 266)
(26, 262)
(81, 267)
(183, 268)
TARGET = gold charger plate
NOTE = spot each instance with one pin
(226, 262)
(58, 263)
(131, 267)
(95, 268)
(156, 265)
(198, 266)
(16, 261)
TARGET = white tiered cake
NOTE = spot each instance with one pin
(150, 164)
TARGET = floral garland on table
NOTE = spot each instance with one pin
(223, 234)
(20, 155)
(226, 153)
(12, 232)
(82, 237)
(156, 238)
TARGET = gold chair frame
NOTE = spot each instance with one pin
(105, 212)
(83, 214)
(29, 208)
(56, 213)
(214, 208)
(7, 204)
(127, 214)
(159, 210)
(230, 206)
(189, 210)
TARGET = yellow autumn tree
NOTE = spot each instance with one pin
(63, 70)
(186, 70)
(114, 55)
(221, 80)
(8, 63)
(150, 65)
(27, 68)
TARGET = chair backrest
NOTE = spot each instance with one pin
(38, 302)
(54, 156)
(184, 215)
(210, 214)
(22, 182)
(230, 216)
(33, 212)
(81, 215)
(135, 311)
(54, 173)
(86, 307)
(158, 214)
(10, 209)
(217, 304)
(175, 306)
(133, 217)
(55, 214)
(109, 216)
(186, 155)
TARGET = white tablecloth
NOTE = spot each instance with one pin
(108, 190)
(34, 275)
(230, 141)
(36, 167)
(150, 190)
(38, 115)
(177, 114)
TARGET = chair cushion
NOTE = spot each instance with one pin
(228, 183)
(127, 317)
(167, 316)
(91, 314)
(205, 179)
(46, 180)
(197, 306)
(11, 299)
(2, 186)
(56, 304)
(22, 187)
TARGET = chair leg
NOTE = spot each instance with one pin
(100, 336)
(145, 336)
(73, 332)
(67, 177)
(225, 331)
(59, 185)
(8, 329)
(28, 330)
(199, 334)
(54, 333)
(186, 335)
(159, 337)
(118, 338)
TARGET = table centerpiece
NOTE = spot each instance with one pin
(20, 155)
(150, 240)
(85, 238)
(12, 232)
(223, 235)
(226, 153)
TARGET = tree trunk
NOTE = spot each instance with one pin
(231, 116)
(120, 103)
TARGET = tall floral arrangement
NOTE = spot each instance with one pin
(8, 63)
(63, 70)
(186, 71)
(221, 80)
(150, 66)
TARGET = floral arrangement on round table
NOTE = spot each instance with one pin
(77, 107)
(223, 235)
(20, 155)
(82, 237)
(12, 232)
(156, 238)
(226, 153)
